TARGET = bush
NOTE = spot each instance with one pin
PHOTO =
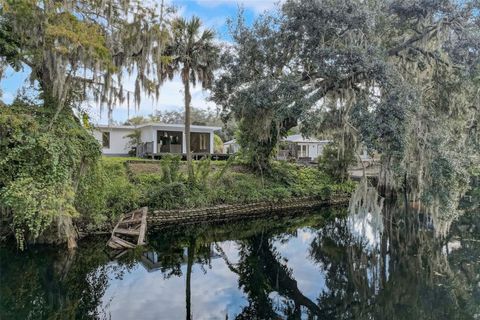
(170, 168)
(105, 192)
(335, 163)
(91, 199)
(166, 196)
(35, 205)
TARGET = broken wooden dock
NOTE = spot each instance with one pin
(130, 230)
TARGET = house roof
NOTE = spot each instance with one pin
(179, 126)
(230, 142)
(298, 138)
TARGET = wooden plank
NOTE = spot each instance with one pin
(136, 220)
(122, 242)
(110, 242)
(130, 232)
(137, 226)
(113, 244)
(143, 227)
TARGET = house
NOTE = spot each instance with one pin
(231, 146)
(292, 147)
(156, 139)
(301, 148)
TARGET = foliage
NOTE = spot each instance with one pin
(166, 195)
(170, 168)
(400, 77)
(334, 163)
(35, 205)
(104, 193)
(229, 182)
(217, 144)
(77, 48)
(41, 168)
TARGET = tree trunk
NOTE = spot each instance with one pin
(188, 98)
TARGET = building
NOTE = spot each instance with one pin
(231, 147)
(155, 139)
(301, 148)
(292, 147)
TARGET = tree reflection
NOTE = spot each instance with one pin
(47, 283)
(261, 273)
(261, 270)
(409, 275)
(406, 274)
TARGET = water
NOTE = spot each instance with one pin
(322, 265)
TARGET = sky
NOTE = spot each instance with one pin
(213, 13)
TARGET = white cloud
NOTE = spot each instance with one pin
(259, 6)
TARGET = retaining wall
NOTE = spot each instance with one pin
(238, 211)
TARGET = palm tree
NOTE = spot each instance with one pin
(193, 54)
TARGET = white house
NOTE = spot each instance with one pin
(231, 147)
(294, 147)
(156, 138)
(300, 147)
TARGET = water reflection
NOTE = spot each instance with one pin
(313, 267)
(365, 220)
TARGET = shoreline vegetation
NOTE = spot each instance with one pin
(118, 185)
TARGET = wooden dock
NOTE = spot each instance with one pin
(130, 230)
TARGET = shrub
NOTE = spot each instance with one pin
(105, 192)
(35, 205)
(166, 196)
(335, 163)
(91, 199)
(202, 170)
(171, 168)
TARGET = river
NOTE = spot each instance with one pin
(325, 264)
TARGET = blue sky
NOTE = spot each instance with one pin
(213, 13)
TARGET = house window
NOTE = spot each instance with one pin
(200, 142)
(303, 150)
(169, 141)
(106, 140)
(204, 142)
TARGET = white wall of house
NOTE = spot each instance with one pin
(118, 141)
(231, 146)
(311, 150)
(147, 134)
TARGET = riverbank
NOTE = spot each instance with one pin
(232, 212)
(219, 187)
